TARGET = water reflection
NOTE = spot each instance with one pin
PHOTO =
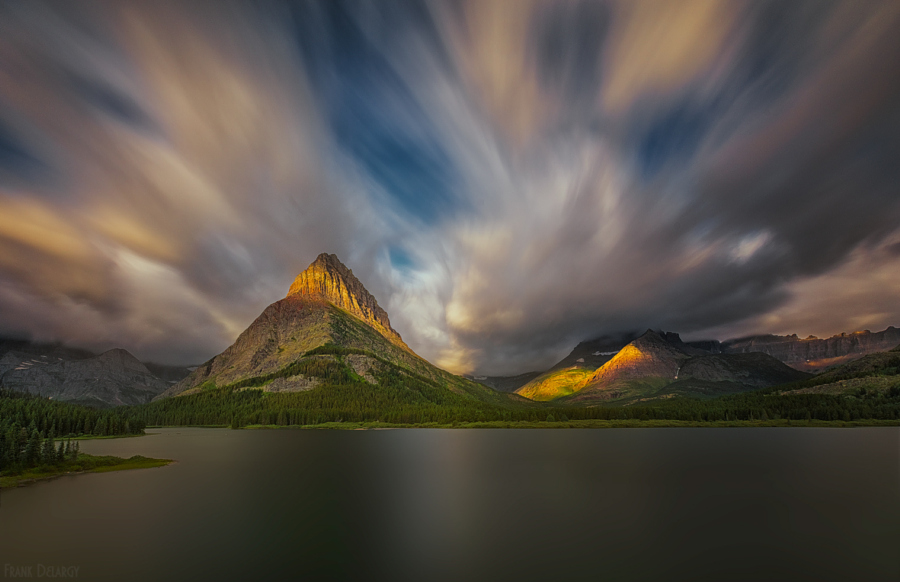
(699, 504)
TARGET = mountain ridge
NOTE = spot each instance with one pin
(660, 365)
(328, 320)
(112, 378)
(813, 354)
(809, 354)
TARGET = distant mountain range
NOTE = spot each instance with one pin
(703, 368)
(328, 321)
(112, 378)
(811, 354)
(329, 326)
(872, 373)
(658, 365)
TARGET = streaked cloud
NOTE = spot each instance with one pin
(507, 177)
(659, 47)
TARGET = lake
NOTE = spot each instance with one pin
(471, 505)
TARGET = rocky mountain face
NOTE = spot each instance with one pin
(329, 280)
(585, 358)
(660, 365)
(283, 333)
(327, 316)
(812, 354)
(607, 361)
(594, 353)
(650, 355)
(113, 378)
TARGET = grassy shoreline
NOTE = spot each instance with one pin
(587, 424)
(84, 464)
(92, 437)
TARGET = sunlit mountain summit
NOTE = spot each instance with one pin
(328, 326)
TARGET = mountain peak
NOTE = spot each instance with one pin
(328, 279)
(329, 261)
(650, 335)
(654, 354)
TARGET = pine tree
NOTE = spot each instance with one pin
(11, 445)
(33, 449)
(48, 451)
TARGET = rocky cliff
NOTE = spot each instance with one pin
(650, 355)
(812, 354)
(113, 378)
(572, 369)
(594, 353)
(329, 280)
(327, 315)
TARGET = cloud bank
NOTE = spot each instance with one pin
(506, 177)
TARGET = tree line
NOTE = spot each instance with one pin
(398, 397)
(37, 431)
(404, 398)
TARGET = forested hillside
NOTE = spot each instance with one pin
(35, 431)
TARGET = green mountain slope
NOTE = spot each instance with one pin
(555, 384)
(878, 372)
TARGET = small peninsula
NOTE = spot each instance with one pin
(83, 463)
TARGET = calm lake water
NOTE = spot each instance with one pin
(464, 505)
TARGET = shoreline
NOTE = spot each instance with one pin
(573, 424)
(85, 464)
(102, 437)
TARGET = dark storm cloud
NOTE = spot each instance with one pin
(507, 177)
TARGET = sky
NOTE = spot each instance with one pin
(507, 177)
